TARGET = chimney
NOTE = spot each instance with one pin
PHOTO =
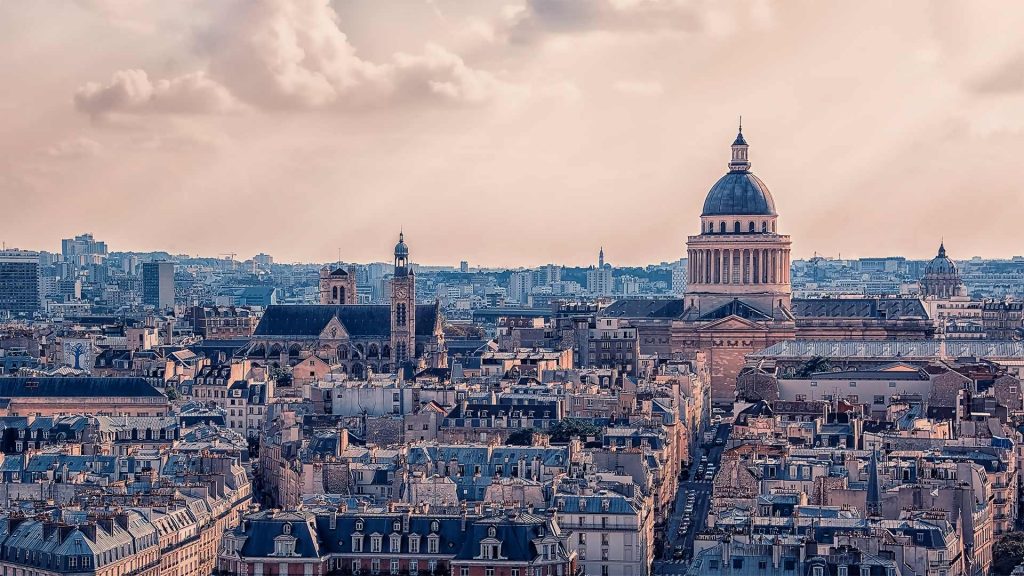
(89, 529)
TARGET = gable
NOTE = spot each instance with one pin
(334, 330)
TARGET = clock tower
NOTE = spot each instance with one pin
(403, 306)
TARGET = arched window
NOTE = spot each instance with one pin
(721, 227)
(334, 293)
(340, 296)
(752, 230)
(764, 227)
(736, 228)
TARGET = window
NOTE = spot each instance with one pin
(488, 571)
(801, 397)
(432, 545)
(464, 571)
(396, 542)
(879, 399)
(357, 543)
(737, 563)
(375, 543)
(751, 227)
(414, 567)
(789, 565)
(736, 228)
(853, 399)
(853, 384)
(583, 538)
(394, 566)
(892, 384)
(375, 566)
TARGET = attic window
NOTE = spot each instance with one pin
(32, 384)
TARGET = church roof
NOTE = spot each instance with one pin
(310, 320)
(739, 193)
(735, 308)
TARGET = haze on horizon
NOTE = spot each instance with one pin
(507, 132)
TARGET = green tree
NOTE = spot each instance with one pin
(564, 430)
(1007, 553)
(523, 437)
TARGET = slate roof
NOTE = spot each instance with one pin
(22, 387)
(922, 349)
(309, 320)
(736, 308)
(869, 308)
(646, 308)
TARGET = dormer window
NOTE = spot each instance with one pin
(357, 543)
(433, 544)
(435, 526)
(396, 543)
(359, 525)
(397, 526)
(375, 543)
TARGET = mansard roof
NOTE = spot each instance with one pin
(868, 308)
(645, 308)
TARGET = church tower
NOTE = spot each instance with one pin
(337, 286)
(403, 306)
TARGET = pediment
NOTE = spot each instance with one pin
(334, 330)
(732, 322)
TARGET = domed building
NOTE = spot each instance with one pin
(941, 277)
(738, 291)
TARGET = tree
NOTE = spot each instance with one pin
(521, 437)
(565, 429)
(1007, 553)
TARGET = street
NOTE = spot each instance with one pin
(701, 490)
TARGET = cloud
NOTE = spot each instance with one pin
(535, 18)
(131, 91)
(1008, 77)
(639, 88)
(80, 147)
(292, 54)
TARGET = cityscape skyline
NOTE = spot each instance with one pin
(552, 114)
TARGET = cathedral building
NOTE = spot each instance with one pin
(359, 338)
(941, 277)
(738, 285)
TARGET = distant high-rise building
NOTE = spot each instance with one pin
(262, 259)
(599, 281)
(464, 267)
(83, 250)
(158, 284)
(19, 282)
(520, 285)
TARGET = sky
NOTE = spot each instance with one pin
(507, 132)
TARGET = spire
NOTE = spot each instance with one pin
(942, 248)
(740, 161)
(874, 501)
(600, 258)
